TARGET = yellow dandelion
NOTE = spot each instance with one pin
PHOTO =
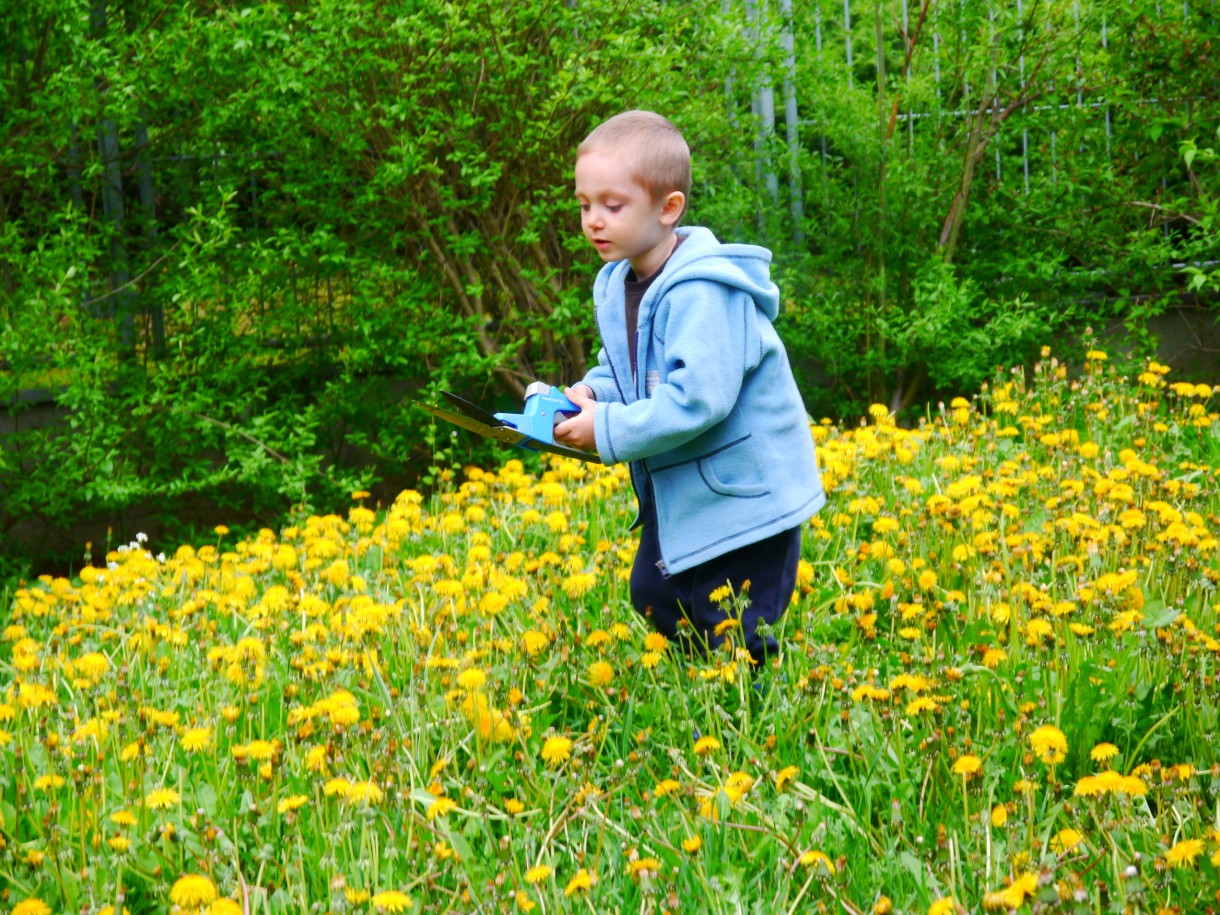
(994, 657)
(162, 799)
(643, 867)
(472, 678)
(222, 906)
(706, 745)
(261, 750)
(365, 792)
(600, 673)
(1022, 887)
(665, 787)
(968, 765)
(579, 584)
(1132, 786)
(655, 641)
(920, 705)
(785, 775)
(193, 891)
(291, 803)
(538, 873)
(533, 641)
(692, 845)
(1065, 840)
(1184, 853)
(999, 815)
(1049, 744)
(597, 638)
(440, 807)
(195, 739)
(816, 858)
(339, 785)
(391, 901)
(943, 906)
(581, 882)
(524, 903)
(315, 759)
(31, 906)
(651, 659)
(556, 751)
(721, 594)
(1103, 752)
(1037, 630)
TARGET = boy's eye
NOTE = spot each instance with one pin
(614, 207)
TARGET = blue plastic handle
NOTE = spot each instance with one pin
(543, 403)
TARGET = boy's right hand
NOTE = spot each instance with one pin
(584, 390)
(578, 431)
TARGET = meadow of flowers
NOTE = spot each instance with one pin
(998, 692)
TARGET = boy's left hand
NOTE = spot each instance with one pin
(578, 432)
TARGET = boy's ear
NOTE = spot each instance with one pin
(675, 202)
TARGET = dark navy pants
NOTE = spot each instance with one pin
(679, 606)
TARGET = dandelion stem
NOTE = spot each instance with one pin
(804, 889)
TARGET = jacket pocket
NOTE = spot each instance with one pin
(733, 470)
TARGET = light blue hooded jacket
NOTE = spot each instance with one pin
(712, 424)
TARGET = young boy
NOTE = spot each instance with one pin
(693, 388)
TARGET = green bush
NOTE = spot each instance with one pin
(236, 240)
(348, 209)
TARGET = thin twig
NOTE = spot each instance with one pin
(135, 279)
(244, 434)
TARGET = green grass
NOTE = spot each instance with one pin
(441, 701)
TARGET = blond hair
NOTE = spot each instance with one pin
(654, 148)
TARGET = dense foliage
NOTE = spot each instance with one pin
(235, 238)
(250, 230)
(979, 176)
(996, 692)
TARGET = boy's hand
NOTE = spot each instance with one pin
(577, 432)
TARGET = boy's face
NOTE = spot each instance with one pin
(620, 217)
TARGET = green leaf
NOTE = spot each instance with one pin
(1158, 616)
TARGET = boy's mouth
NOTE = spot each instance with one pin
(601, 244)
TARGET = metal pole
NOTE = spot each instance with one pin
(847, 35)
(1024, 130)
(795, 189)
(995, 88)
(764, 110)
(817, 27)
(123, 304)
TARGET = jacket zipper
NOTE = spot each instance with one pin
(597, 315)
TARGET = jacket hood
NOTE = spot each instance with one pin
(745, 267)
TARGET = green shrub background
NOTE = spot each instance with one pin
(236, 239)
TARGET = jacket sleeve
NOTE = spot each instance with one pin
(709, 334)
(600, 380)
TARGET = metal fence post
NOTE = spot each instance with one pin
(795, 189)
(764, 110)
(112, 207)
